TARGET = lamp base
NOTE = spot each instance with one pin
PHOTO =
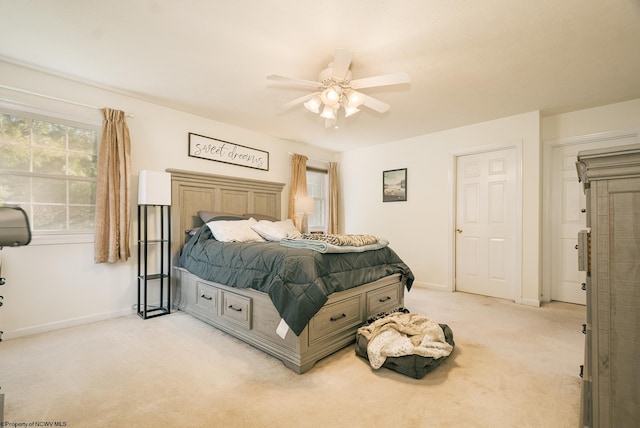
(304, 225)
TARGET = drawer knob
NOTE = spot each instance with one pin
(336, 318)
(584, 286)
(233, 308)
(384, 299)
(204, 296)
(581, 370)
(584, 329)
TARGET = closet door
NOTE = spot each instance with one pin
(485, 223)
(567, 216)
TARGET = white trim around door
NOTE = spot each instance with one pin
(601, 139)
(453, 157)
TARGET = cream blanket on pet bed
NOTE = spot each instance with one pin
(400, 334)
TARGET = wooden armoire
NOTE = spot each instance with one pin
(609, 251)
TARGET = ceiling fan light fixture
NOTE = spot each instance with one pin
(328, 112)
(313, 105)
(350, 111)
(354, 98)
(335, 90)
(331, 95)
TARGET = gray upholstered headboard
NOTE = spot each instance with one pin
(196, 191)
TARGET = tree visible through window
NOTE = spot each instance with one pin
(48, 167)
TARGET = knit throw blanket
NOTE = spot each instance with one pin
(342, 240)
(402, 334)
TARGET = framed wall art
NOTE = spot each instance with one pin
(394, 185)
(223, 151)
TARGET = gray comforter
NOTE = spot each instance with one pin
(298, 281)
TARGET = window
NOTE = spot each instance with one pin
(318, 189)
(48, 167)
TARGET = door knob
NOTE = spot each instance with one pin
(459, 230)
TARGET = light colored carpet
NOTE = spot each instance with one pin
(513, 366)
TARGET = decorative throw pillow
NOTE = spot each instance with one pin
(234, 230)
(261, 217)
(276, 230)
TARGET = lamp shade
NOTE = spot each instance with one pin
(331, 95)
(350, 111)
(313, 105)
(305, 204)
(154, 188)
(354, 98)
(328, 112)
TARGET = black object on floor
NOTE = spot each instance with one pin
(415, 366)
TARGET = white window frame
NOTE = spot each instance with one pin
(62, 236)
(322, 201)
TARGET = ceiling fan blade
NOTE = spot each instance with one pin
(382, 80)
(294, 80)
(376, 104)
(341, 64)
(297, 101)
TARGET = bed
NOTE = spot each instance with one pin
(270, 310)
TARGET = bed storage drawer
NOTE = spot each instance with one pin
(335, 317)
(384, 298)
(207, 298)
(236, 308)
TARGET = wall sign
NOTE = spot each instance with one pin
(226, 152)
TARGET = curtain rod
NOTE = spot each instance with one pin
(310, 158)
(24, 91)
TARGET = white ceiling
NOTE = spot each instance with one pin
(469, 61)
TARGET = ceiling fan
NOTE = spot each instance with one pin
(335, 89)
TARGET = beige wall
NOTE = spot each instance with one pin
(420, 230)
(54, 286)
(612, 117)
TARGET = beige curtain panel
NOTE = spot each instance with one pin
(113, 210)
(298, 185)
(333, 198)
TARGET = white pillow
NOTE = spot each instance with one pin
(276, 230)
(234, 230)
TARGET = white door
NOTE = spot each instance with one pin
(485, 223)
(567, 217)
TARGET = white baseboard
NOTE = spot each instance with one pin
(530, 302)
(58, 325)
(430, 286)
(442, 287)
